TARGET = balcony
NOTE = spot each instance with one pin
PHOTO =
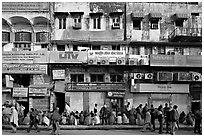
(186, 35)
(95, 87)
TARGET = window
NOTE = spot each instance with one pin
(148, 50)
(97, 77)
(136, 50)
(23, 36)
(77, 77)
(62, 23)
(116, 23)
(161, 50)
(5, 36)
(22, 46)
(96, 47)
(115, 47)
(44, 46)
(42, 37)
(75, 47)
(179, 50)
(20, 80)
(179, 23)
(97, 23)
(116, 78)
(154, 24)
(60, 47)
(137, 24)
(77, 23)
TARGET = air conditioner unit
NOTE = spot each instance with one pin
(137, 75)
(92, 61)
(133, 61)
(197, 77)
(104, 61)
(116, 25)
(148, 75)
(120, 61)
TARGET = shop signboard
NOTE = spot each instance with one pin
(106, 53)
(58, 74)
(41, 104)
(25, 57)
(20, 92)
(113, 94)
(24, 69)
(38, 91)
(68, 56)
(160, 88)
(165, 76)
(94, 87)
(176, 60)
(184, 76)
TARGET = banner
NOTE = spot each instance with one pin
(25, 57)
(68, 57)
(24, 68)
(20, 92)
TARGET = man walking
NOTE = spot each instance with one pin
(14, 119)
(56, 117)
(198, 118)
(33, 120)
(174, 117)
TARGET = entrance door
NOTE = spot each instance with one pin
(60, 101)
(119, 102)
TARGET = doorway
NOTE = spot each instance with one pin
(60, 101)
(26, 105)
(195, 106)
(117, 104)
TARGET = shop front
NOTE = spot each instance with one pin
(159, 94)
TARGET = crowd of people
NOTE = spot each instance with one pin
(145, 116)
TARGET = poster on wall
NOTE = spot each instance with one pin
(58, 74)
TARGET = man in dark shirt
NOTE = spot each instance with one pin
(166, 115)
(33, 120)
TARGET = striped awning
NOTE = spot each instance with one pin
(136, 15)
(181, 16)
(155, 15)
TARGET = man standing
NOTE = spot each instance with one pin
(33, 120)
(104, 114)
(95, 109)
(153, 117)
(14, 119)
(174, 117)
(198, 118)
(160, 119)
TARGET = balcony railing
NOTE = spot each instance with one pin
(185, 32)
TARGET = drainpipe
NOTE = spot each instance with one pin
(125, 29)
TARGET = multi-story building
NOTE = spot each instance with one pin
(106, 52)
(26, 33)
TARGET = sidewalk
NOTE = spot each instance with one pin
(95, 127)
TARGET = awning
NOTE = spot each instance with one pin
(181, 16)
(96, 13)
(79, 13)
(116, 13)
(137, 15)
(155, 15)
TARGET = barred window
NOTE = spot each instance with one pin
(23, 36)
(42, 37)
(5, 36)
(77, 77)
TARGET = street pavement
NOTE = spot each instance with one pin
(96, 132)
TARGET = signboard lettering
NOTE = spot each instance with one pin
(106, 53)
(68, 55)
(58, 74)
(20, 92)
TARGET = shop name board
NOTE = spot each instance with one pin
(106, 53)
(160, 88)
(94, 87)
(25, 6)
(24, 68)
(176, 60)
(68, 57)
(116, 94)
(41, 104)
(25, 57)
(20, 92)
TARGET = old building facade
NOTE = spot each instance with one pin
(96, 53)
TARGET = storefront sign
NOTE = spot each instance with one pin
(165, 76)
(58, 74)
(24, 68)
(41, 104)
(184, 76)
(116, 94)
(161, 88)
(38, 92)
(68, 57)
(105, 53)
(94, 87)
(176, 60)
(25, 57)
(20, 92)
